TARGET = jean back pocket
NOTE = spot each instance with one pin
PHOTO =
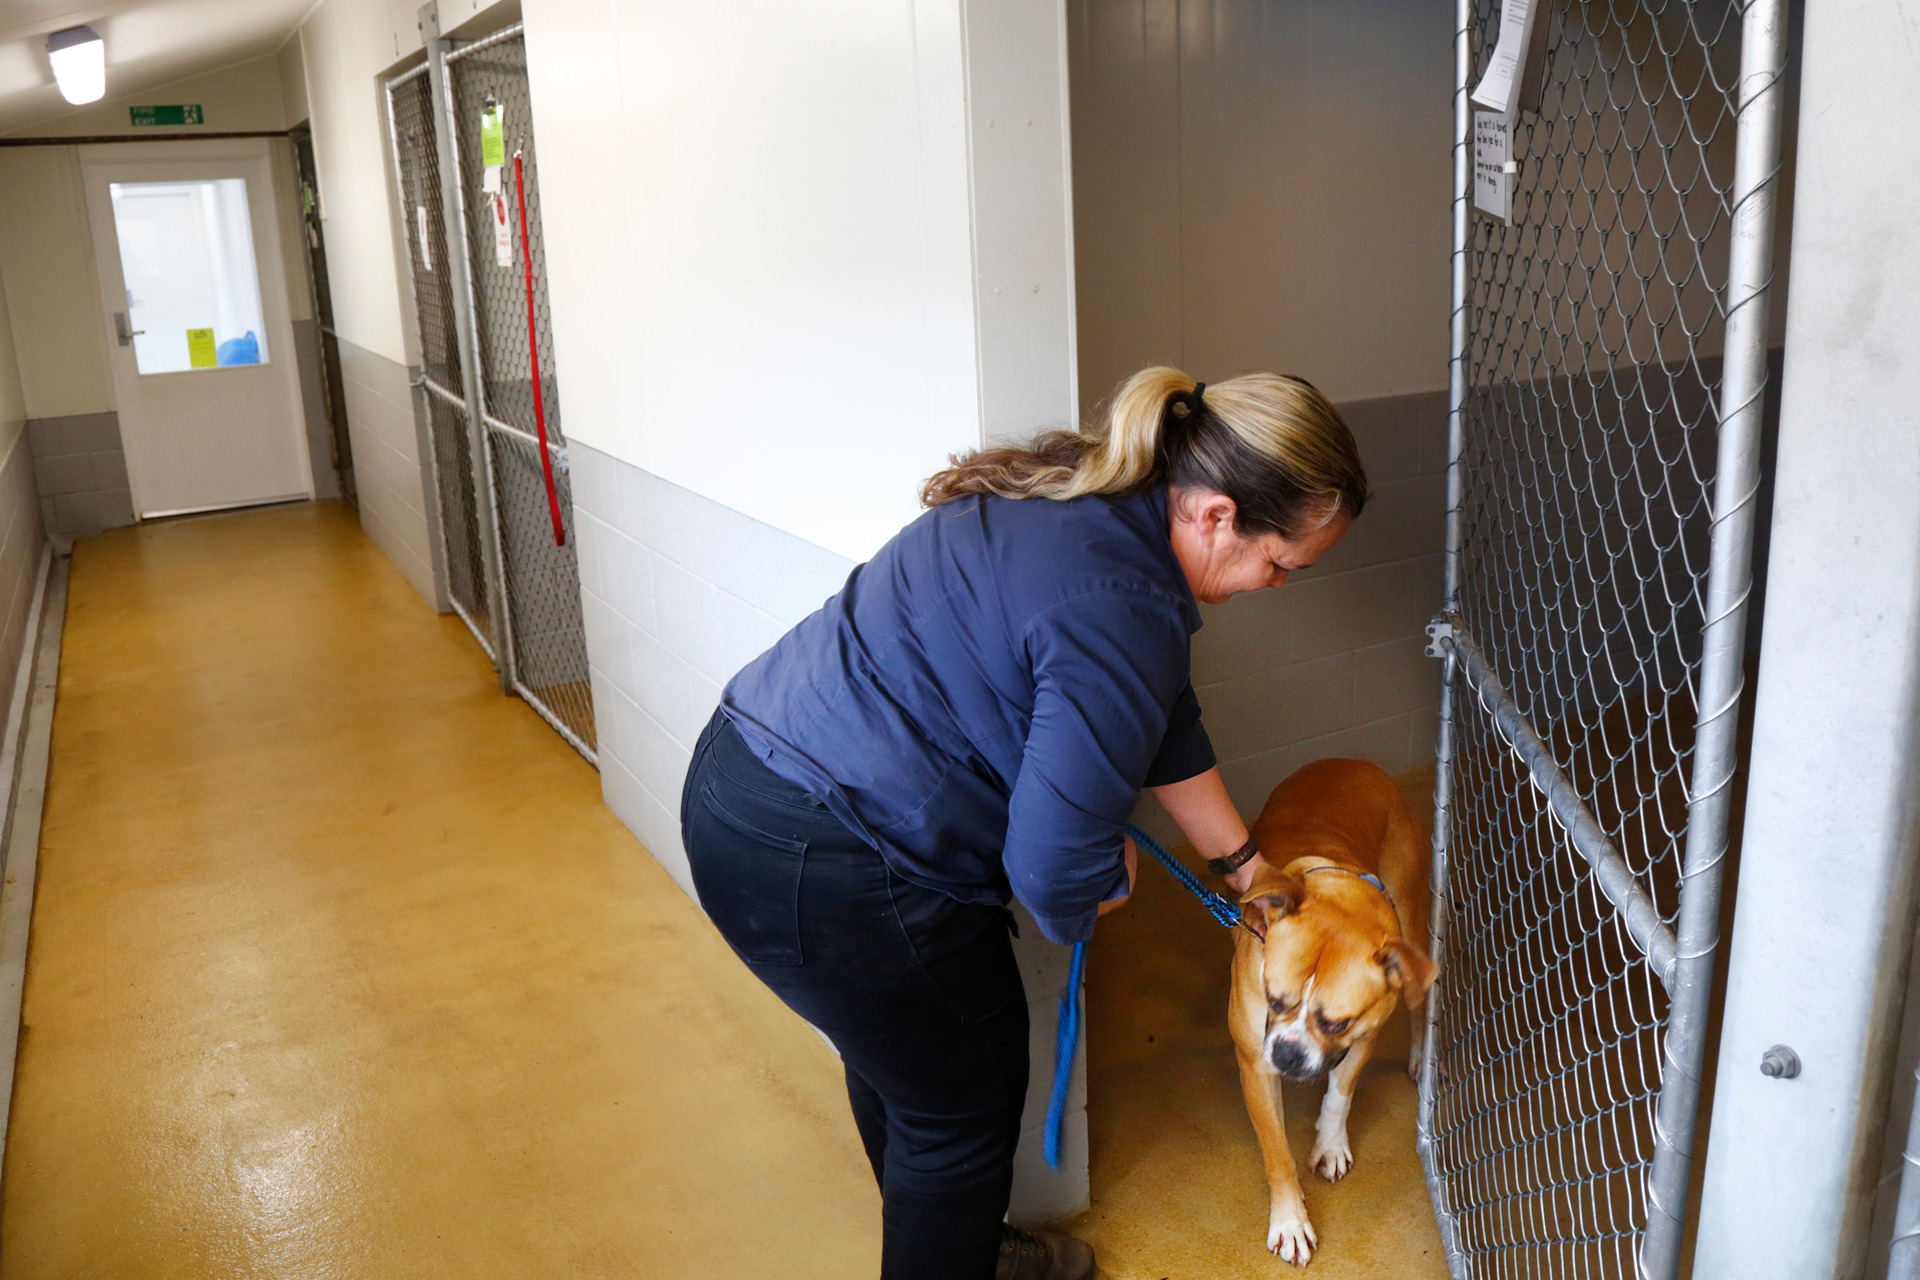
(748, 880)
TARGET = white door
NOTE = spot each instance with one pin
(188, 252)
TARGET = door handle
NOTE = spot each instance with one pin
(123, 331)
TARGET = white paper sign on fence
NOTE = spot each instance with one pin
(426, 243)
(1493, 166)
(502, 231)
(1517, 69)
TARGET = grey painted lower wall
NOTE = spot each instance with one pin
(388, 429)
(22, 535)
(679, 592)
(80, 469)
(313, 406)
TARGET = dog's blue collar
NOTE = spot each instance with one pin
(1368, 876)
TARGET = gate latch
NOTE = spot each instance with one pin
(1440, 629)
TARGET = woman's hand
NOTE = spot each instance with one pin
(1133, 869)
(1242, 880)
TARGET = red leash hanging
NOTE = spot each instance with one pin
(533, 352)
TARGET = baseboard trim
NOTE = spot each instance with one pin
(24, 752)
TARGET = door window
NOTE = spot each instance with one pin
(193, 290)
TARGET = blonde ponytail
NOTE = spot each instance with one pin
(1270, 442)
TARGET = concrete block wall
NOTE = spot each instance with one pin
(678, 593)
(80, 468)
(398, 509)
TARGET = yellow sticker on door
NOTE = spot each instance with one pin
(200, 350)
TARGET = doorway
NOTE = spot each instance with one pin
(313, 247)
(199, 337)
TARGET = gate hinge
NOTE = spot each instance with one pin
(1439, 630)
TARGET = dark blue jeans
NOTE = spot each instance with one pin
(919, 993)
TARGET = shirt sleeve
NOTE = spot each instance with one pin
(1109, 670)
(1186, 751)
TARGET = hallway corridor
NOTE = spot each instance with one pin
(340, 967)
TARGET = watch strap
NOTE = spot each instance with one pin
(1234, 861)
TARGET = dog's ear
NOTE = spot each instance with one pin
(1273, 897)
(1409, 971)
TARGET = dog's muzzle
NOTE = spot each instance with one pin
(1301, 1062)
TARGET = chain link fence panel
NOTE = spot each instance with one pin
(1590, 392)
(488, 79)
(416, 156)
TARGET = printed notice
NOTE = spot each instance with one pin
(426, 241)
(1493, 167)
(200, 349)
(493, 136)
(1515, 72)
(502, 231)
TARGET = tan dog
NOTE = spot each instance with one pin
(1337, 954)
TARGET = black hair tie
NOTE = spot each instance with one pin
(1190, 401)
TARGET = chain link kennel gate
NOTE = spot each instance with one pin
(1608, 367)
(488, 458)
(467, 542)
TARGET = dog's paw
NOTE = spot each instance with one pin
(1292, 1240)
(1331, 1160)
(1413, 1062)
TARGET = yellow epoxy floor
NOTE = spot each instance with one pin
(340, 968)
(1178, 1191)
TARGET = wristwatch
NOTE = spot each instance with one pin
(1234, 861)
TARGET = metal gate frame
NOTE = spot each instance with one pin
(473, 507)
(519, 517)
(1681, 956)
(476, 504)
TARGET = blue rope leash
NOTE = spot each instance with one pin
(1066, 1036)
(1223, 908)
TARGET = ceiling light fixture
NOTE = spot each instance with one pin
(79, 64)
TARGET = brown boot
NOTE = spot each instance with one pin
(1042, 1255)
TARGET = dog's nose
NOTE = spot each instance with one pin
(1289, 1057)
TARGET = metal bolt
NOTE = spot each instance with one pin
(1780, 1062)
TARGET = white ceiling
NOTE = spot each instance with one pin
(149, 43)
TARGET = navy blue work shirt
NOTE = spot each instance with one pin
(985, 698)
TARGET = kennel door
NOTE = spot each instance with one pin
(1610, 340)
(438, 289)
(490, 124)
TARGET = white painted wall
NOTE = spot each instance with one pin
(761, 228)
(292, 66)
(1264, 184)
(46, 252)
(245, 96)
(345, 46)
(46, 265)
(759, 249)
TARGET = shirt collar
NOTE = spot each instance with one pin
(1156, 504)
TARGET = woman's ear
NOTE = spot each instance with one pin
(1209, 512)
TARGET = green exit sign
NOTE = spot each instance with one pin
(184, 113)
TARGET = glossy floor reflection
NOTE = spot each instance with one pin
(341, 969)
(1178, 1189)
